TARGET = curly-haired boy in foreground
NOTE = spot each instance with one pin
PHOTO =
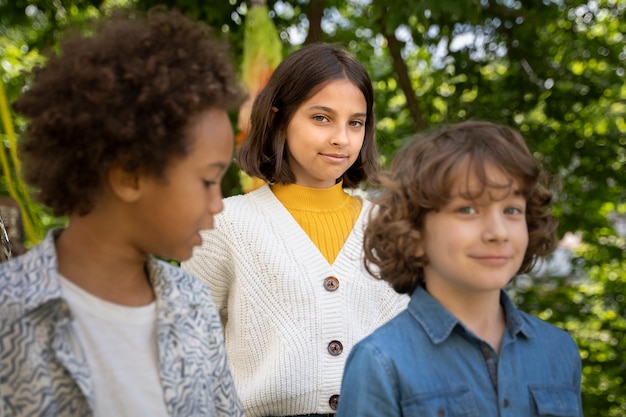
(465, 209)
(129, 137)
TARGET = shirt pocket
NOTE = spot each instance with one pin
(451, 402)
(555, 400)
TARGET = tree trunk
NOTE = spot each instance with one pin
(314, 15)
(404, 80)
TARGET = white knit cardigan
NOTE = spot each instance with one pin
(267, 278)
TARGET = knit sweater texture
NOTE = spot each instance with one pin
(282, 320)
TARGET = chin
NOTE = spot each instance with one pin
(179, 256)
(182, 257)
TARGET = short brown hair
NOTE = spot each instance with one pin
(420, 181)
(263, 153)
(123, 96)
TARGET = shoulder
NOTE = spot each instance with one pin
(540, 334)
(392, 335)
(28, 281)
(250, 199)
(15, 282)
(367, 205)
(186, 285)
(36, 259)
(547, 335)
(12, 271)
(250, 206)
(394, 349)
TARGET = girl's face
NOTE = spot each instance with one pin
(475, 246)
(326, 133)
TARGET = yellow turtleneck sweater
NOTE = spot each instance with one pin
(327, 215)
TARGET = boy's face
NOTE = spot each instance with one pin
(477, 246)
(172, 212)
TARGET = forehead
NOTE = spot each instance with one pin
(473, 179)
(211, 137)
(340, 91)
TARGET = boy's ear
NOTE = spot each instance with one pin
(124, 184)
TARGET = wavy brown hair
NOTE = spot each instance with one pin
(420, 180)
(301, 75)
(124, 96)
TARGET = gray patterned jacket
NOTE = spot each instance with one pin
(42, 367)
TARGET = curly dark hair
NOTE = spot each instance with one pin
(121, 96)
(301, 75)
(420, 180)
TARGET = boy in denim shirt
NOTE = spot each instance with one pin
(128, 136)
(463, 211)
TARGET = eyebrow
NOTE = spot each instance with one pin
(518, 192)
(329, 110)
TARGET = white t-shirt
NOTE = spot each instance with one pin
(121, 349)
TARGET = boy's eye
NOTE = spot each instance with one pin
(208, 184)
(513, 210)
(466, 210)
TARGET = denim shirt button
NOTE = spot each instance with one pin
(441, 413)
(505, 403)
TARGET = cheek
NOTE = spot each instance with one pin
(356, 152)
(521, 233)
(358, 139)
(524, 239)
(191, 198)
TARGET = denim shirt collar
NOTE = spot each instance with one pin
(438, 323)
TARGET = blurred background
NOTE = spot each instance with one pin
(554, 69)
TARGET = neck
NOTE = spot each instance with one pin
(91, 257)
(480, 312)
(319, 199)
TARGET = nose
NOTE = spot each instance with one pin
(216, 202)
(495, 227)
(215, 206)
(340, 137)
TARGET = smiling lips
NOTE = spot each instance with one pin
(334, 157)
(492, 259)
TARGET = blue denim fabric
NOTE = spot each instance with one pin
(424, 363)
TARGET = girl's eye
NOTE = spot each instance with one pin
(320, 118)
(356, 123)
